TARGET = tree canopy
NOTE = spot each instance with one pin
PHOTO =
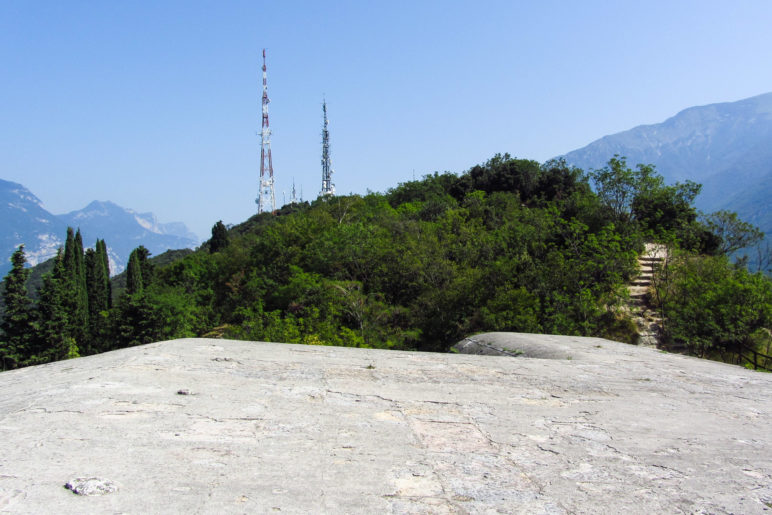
(511, 245)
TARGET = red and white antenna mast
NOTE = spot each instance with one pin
(328, 188)
(266, 200)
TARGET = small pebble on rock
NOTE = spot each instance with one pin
(91, 486)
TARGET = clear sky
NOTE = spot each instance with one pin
(155, 105)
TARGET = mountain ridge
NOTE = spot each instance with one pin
(726, 147)
(26, 221)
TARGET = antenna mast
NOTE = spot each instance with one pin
(328, 188)
(266, 199)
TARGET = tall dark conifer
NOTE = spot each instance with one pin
(137, 320)
(17, 324)
(97, 282)
(52, 341)
(101, 249)
(77, 296)
(80, 277)
(147, 267)
(134, 274)
(96, 286)
(69, 251)
(219, 237)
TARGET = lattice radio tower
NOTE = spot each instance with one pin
(328, 188)
(266, 199)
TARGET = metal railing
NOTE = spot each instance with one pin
(755, 361)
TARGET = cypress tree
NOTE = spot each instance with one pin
(97, 282)
(81, 306)
(17, 324)
(97, 293)
(90, 261)
(134, 274)
(136, 319)
(219, 238)
(139, 270)
(76, 297)
(79, 259)
(147, 267)
(101, 248)
(69, 251)
(80, 276)
(52, 343)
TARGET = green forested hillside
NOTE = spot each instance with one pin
(511, 245)
(508, 246)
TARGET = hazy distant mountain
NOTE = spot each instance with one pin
(23, 220)
(124, 230)
(726, 147)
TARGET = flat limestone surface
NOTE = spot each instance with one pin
(217, 426)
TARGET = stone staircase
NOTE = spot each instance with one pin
(646, 319)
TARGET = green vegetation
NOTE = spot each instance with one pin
(715, 309)
(17, 322)
(511, 245)
(219, 237)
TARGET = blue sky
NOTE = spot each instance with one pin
(156, 105)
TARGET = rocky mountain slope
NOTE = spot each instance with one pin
(24, 220)
(726, 147)
(124, 230)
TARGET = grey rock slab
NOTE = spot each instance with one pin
(217, 426)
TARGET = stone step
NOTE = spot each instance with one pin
(648, 321)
